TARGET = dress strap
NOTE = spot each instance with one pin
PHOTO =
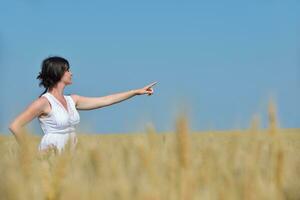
(49, 98)
(70, 100)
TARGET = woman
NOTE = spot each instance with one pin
(56, 112)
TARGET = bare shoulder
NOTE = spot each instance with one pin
(40, 102)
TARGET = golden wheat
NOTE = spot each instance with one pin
(250, 164)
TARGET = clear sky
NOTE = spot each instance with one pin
(221, 60)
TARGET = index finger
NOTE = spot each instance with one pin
(152, 84)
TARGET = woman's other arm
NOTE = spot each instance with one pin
(35, 109)
(89, 103)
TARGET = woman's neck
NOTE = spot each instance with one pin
(57, 90)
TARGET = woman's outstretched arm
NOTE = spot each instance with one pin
(89, 103)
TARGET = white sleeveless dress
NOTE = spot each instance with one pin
(59, 125)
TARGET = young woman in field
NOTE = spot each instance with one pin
(58, 113)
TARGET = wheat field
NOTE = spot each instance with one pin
(183, 165)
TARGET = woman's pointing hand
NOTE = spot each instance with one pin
(146, 90)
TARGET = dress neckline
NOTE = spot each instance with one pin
(66, 109)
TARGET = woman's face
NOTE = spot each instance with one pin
(67, 77)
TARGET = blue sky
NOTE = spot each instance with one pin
(219, 60)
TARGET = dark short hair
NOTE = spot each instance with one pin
(52, 70)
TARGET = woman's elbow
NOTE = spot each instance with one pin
(13, 127)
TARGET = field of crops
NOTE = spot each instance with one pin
(250, 164)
